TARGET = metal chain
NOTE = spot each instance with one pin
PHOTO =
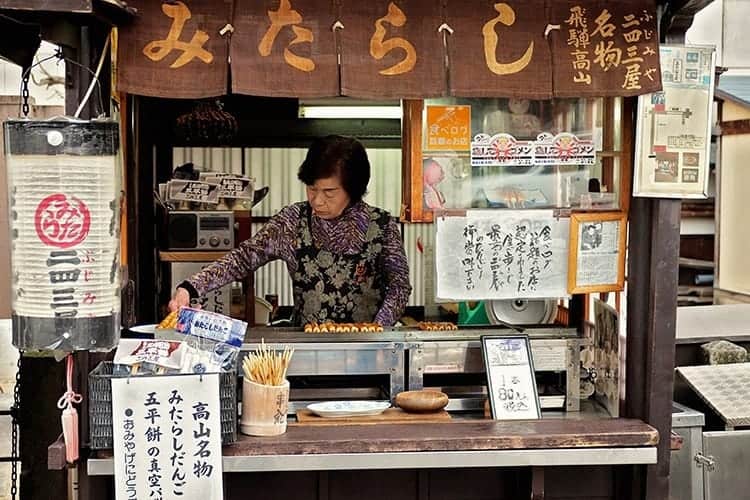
(25, 94)
(14, 432)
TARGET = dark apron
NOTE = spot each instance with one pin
(338, 288)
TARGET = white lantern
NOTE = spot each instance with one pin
(64, 194)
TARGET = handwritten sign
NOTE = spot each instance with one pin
(385, 49)
(448, 128)
(610, 45)
(200, 192)
(167, 437)
(491, 254)
(510, 378)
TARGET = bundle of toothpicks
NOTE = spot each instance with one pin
(266, 366)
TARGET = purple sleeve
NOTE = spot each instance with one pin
(396, 270)
(274, 241)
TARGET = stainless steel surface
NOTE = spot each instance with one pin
(343, 358)
(685, 474)
(725, 388)
(730, 479)
(400, 334)
(462, 356)
(449, 352)
(682, 416)
(423, 460)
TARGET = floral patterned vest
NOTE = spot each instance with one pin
(346, 288)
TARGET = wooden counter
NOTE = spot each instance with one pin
(460, 443)
(460, 435)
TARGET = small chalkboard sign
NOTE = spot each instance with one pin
(510, 377)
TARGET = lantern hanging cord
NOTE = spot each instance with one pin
(95, 80)
(70, 397)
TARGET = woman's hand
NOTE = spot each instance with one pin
(181, 298)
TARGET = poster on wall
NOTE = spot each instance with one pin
(673, 134)
(499, 254)
(597, 252)
(448, 128)
(504, 150)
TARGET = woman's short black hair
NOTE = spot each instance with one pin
(333, 155)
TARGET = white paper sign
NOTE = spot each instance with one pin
(167, 437)
(510, 378)
(598, 253)
(673, 136)
(502, 254)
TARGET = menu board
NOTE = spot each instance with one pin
(673, 135)
(501, 254)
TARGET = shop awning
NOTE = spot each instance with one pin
(390, 49)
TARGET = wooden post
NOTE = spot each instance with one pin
(652, 309)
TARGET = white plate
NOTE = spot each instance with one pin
(143, 328)
(349, 408)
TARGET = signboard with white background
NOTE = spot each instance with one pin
(502, 254)
(167, 437)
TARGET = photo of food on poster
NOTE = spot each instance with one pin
(673, 136)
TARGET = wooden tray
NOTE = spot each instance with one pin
(389, 416)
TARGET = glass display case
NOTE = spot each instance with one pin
(520, 153)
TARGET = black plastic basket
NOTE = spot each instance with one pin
(100, 406)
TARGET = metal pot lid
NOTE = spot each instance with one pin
(521, 311)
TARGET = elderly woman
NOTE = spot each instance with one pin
(346, 258)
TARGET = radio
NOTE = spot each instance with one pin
(200, 230)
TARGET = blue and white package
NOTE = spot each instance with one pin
(210, 325)
(213, 340)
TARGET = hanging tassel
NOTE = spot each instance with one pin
(69, 418)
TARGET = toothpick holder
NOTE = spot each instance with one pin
(264, 408)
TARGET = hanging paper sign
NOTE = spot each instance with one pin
(448, 128)
(505, 150)
(492, 254)
(167, 437)
(195, 191)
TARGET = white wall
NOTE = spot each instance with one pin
(723, 23)
(47, 82)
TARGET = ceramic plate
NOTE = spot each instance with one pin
(349, 408)
(143, 329)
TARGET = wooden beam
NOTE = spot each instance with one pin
(412, 209)
(735, 127)
(652, 306)
(627, 147)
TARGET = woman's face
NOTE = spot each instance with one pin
(327, 197)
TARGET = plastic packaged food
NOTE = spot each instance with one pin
(212, 340)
